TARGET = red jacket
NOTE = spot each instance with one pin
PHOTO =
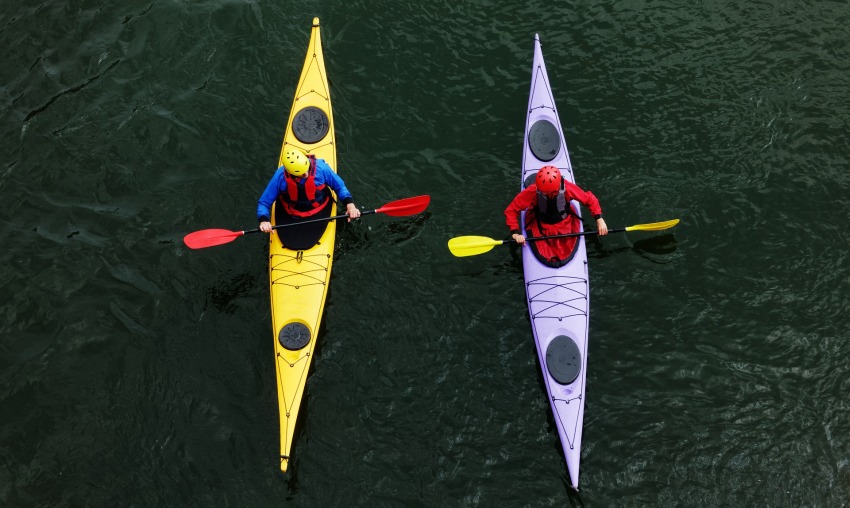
(558, 249)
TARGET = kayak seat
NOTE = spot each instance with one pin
(552, 262)
(301, 237)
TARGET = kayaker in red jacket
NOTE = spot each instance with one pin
(300, 188)
(549, 212)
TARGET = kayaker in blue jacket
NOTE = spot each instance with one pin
(300, 188)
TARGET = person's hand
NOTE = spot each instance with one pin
(518, 238)
(266, 227)
(352, 211)
(601, 227)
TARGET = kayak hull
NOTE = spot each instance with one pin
(298, 279)
(558, 298)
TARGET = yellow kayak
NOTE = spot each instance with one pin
(298, 279)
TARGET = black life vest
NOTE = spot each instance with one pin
(556, 209)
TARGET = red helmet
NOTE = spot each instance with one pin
(548, 180)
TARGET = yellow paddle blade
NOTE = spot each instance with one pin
(653, 226)
(463, 246)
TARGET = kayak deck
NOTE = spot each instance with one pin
(298, 279)
(558, 297)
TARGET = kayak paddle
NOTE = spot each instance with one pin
(212, 237)
(463, 246)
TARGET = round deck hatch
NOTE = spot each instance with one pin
(563, 359)
(294, 336)
(544, 140)
(310, 125)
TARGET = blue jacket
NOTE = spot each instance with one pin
(277, 185)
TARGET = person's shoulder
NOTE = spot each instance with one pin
(570, 185)
(529, 192)
(325, 169)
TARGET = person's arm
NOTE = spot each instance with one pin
(601, 226)
(333, 180)
(589, 200)
(522, 201)
(276, 185)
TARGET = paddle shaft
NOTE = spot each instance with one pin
(566, 235)
(463, 246)
(212, 237)
(311, 221)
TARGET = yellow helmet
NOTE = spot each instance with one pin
(295, 162)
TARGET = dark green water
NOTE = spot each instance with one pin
(135, 372)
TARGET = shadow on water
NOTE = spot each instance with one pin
(360, 235)
(657, 248)
(573, 496)
(226, 294)
(403, 230)
(291, 479)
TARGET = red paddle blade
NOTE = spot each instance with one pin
(408, 206)
(210, 238)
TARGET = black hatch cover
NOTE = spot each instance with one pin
(544, 140)
(563, 359)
